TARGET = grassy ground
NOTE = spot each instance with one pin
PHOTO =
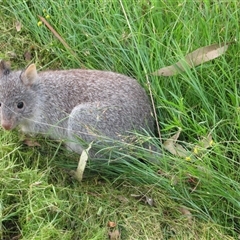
(196, 199)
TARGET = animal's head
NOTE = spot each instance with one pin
(18, 92)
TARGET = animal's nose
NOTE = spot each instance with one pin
(6, 125)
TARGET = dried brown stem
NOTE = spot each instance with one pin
(54, 32)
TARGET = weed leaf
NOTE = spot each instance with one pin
(115, 235)
(78, 174)
(31, 143)
(204, 143)
(112, 224)
(187, 214)
(173, 147)
(18, 26)
(195, 58)
(145, 199)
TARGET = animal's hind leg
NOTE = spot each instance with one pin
(91, 121)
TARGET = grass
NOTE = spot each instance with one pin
(39, 200)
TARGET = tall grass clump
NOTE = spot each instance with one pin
(40, 201)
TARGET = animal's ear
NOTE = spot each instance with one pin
(29, 75)
(4, 67)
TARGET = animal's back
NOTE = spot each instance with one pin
(93, 85)
(73, 87)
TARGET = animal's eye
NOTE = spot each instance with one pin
(20, 105)
(6, 71)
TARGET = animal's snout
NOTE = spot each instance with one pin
(7, 125)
